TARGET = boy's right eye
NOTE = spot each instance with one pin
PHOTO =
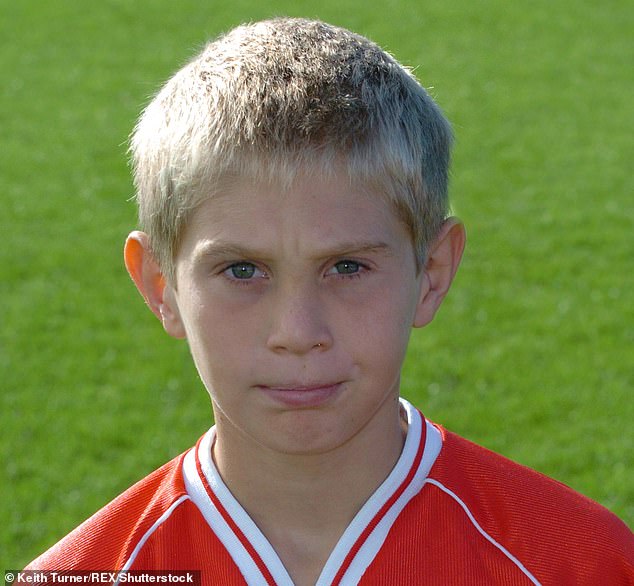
(241, 271)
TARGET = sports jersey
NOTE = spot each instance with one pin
(450, 512)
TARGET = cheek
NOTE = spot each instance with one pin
(380, 329)
(390, 304)
(221, 343)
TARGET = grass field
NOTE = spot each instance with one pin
(532, 354)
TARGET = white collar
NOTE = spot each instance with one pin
(360, 542)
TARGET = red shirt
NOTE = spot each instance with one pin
(450, 512)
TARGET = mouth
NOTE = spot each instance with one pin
(301, 396)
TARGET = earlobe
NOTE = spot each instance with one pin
(151, 283)
(442, 263)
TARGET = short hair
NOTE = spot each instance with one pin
(277, 98)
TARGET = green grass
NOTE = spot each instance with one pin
(531, 354)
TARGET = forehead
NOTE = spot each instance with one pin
(313, 209)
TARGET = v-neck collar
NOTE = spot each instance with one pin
(360, 542)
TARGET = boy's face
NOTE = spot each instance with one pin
(297, 307)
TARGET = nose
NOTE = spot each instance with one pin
(298, 321)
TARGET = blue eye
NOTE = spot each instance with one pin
(242, 270)
(347, 267)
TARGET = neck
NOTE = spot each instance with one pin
(303, 503)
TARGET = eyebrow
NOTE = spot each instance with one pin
(358, 247)
(215, 249)
(221, 249)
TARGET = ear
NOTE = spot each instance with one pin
(440, 268)
(152, 284)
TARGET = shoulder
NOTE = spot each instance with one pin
(107, 538)
(550, 527)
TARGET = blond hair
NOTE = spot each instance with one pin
(277, 98)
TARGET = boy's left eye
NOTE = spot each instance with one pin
(346, 267)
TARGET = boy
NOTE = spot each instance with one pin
(292, 190)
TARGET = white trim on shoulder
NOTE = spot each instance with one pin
(482, 532)
(139, 546)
